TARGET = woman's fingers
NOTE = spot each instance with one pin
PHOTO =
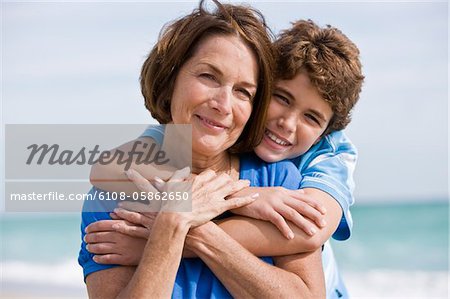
(223, 186)
(180, 175)
(134, 206)
(141, 183)
(202, 178)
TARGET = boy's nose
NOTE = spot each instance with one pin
(288, 122)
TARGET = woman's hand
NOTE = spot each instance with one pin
(207, 190)
(277, 205)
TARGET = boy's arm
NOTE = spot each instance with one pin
(262, 238)
(330, 169)
(111, 176)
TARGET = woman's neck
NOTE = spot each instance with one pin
(219, 163)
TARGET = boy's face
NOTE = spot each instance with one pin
(296, 119)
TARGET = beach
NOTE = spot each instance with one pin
(396, 251)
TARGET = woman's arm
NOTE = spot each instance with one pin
(244, 275)
(155, 275)
(259, 237)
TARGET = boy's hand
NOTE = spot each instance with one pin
(277, 205)
(112, 247)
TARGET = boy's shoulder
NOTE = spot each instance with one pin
(334, 144)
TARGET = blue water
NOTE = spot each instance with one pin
(397, 236)
(394, 236)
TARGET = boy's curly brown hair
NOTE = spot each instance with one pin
(331, 61)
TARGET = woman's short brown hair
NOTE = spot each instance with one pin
(331, 61)
(177, 43)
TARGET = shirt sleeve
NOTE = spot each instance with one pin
(329, 167)
(156, 132)
(91, 213)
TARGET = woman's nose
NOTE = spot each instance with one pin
(222, 100)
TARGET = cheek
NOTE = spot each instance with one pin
(242, 113)
(275, 111)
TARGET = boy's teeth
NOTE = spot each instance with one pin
(275, 139)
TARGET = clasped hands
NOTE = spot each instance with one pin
(122, 239)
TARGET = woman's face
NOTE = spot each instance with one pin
(213, 91)
(296, 119)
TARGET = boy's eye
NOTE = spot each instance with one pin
(313, 119)
(281, 98)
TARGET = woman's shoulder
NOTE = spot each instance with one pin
(263, 174)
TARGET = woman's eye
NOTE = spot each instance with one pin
(247, 95)
(208, 76)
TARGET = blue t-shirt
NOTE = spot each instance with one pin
(328, 166)
(194, 279)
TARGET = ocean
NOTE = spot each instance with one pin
(396, 251)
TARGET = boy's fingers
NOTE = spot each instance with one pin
(100, 237)
(238, 202)
(101, 226)
(100, 248)
(108, 259)
(300, 195)
(306, 211)
(277, 220)
(132, 230)
(114, 216)
(297, 219)
(133, 217)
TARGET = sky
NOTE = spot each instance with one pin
(79, 63)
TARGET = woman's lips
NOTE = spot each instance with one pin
(211, 124)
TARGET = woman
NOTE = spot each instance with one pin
(212, 71)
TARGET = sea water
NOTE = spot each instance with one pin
(395, 251)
